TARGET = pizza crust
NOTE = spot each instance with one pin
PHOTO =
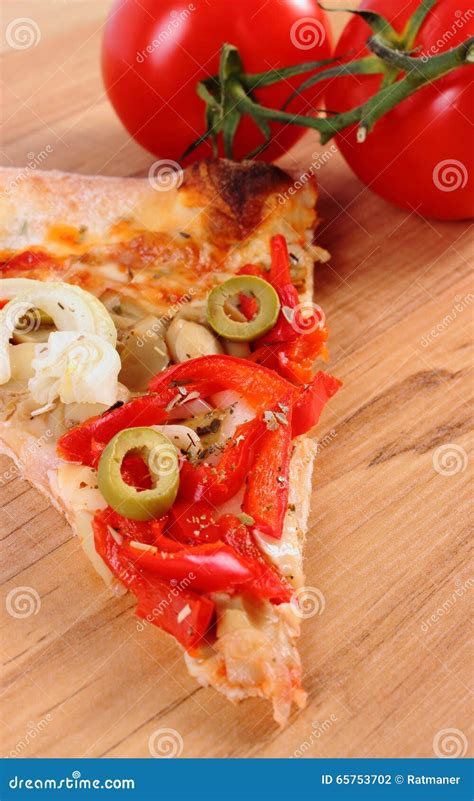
(220, 202)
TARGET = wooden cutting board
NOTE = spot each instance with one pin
(386, 664)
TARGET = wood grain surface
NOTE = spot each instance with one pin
(387, 663)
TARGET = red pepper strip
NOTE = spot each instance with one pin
(220, 482)
(193, 522)
(294, 360)
(85, 442)
(197, 523)
(283, 330)
(297, 358)
(3, 303)
(151, 532)
(267, 356)
(266, 495)
(248, 305)
(259, 386)
(158, 601)
(211, 567)
(215, 567)
(206, 375)
(280, 276)
(267, 582)
(162, 605)
(312, 400)
(280, 279)
(147, 532)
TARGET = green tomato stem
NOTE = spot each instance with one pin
(419, 73)
(230, 94)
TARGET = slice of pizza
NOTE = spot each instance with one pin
(157, 382)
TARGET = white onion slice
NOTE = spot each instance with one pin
(241, 411)
(192, 408)
(77, 368)
(70, 307)
(183, 437)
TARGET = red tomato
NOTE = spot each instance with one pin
(155, 52)
(420, 155)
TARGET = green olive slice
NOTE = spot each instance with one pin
(161, 457)
(220, 298)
